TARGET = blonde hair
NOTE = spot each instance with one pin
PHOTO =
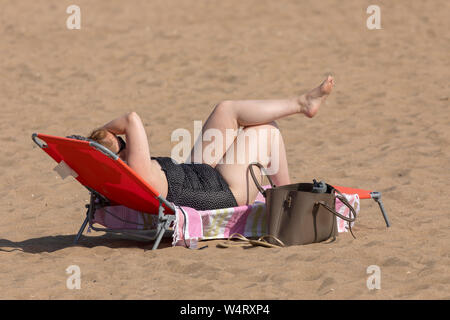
(99, 136)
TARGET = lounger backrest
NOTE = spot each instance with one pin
(103, 172)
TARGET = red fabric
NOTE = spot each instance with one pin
(112, 178)
(363, 194)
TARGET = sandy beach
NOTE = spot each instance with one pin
(385, 127)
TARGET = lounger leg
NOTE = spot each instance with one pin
(384, 213)
(162, 223)
(159, 237)
(85, 222)
(80, 232)
(377, 197)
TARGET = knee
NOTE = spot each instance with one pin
(223, 107)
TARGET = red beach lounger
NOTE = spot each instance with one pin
(111, 181)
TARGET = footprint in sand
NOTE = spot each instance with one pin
(395, 262)
(293, 257)
(313, 275)
(374, 243)
(325, 286)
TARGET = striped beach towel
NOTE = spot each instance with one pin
(250, 221)
(193, 225)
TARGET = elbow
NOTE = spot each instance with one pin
(132, 116)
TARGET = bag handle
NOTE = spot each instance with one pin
(344, 200)
(242, 240)
(260, 166)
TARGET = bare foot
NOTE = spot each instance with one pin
(310, 102)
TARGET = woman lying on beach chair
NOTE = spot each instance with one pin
(213, 182)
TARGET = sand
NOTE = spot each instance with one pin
(384, 128)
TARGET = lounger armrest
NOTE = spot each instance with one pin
(39, 142)
(103, 150)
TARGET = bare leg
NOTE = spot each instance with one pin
(234, 171)
(233, 114)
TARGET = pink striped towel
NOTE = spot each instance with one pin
(193, 225)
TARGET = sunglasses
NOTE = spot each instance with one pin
(122, 144)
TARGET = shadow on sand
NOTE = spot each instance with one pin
(55, 243)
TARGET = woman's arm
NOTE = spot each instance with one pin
(118, 125)
(137, 149)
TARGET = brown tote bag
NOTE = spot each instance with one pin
(302, 213)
